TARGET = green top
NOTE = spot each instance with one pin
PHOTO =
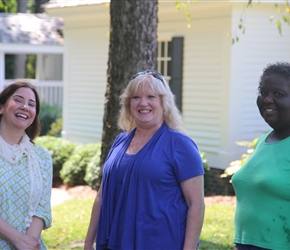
(262, 189)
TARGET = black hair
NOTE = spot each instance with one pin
(278, 68)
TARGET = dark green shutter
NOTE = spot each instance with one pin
(176, 68)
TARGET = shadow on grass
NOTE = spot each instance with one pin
(207, 245)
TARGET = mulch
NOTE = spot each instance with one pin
(220, 199)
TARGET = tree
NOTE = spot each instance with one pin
(20, 59)
(133, 48)
(281, 17)
(14, 6)
(22, 6)
(7, 7)
(38, 6)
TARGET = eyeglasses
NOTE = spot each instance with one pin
(149, 72)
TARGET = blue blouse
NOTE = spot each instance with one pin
(143, 206)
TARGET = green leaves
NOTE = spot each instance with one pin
(282, 16)
(183, 5)
(237, 164)
(73, 171)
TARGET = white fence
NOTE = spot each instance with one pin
(50, 92)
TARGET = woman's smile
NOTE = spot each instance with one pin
(144, 111)
(146, 108)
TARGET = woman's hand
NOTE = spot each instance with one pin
(193, 193)
(93, 226)
(89, 246)
(19, 240)
(27, 242)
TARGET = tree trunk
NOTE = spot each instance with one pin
(38, 4)
(20, 59)
(22, 6)
(133, 48)
(19, 66)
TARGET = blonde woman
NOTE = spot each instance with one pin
(152, 190)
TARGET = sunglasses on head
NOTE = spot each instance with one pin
(149, 72)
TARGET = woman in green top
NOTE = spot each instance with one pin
(262, 185)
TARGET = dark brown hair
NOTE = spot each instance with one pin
(34, 129)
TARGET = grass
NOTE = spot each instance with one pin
(71, 219)
(69, 225)
(218, 228)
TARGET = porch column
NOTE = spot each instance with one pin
(39, 67)
(2, 70)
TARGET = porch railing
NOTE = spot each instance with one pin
(50, 92)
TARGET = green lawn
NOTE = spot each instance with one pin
(69, 224)
(71, 218)
(218, 228)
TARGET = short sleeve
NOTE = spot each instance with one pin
(187, 159)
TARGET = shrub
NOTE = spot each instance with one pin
(206, 170)
(78, 164)
(204, 161)
(237, 164)
(74, 169)
(94, 172)
(55, 128)
(47, 115)
(59, 149)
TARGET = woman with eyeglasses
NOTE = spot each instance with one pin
(151, 196)
(25, 171)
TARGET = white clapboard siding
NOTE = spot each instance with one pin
(203, 95)
(219, 79)
(85, 84)
(263, 45)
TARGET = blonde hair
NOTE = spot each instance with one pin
(171, 113)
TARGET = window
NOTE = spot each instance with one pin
(164, 59)
(170, 65)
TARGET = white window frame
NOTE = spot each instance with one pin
(165, 58)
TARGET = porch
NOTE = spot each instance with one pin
(41, 36)
(50, 92)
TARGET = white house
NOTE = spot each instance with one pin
(217, 82)
(39, 35)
